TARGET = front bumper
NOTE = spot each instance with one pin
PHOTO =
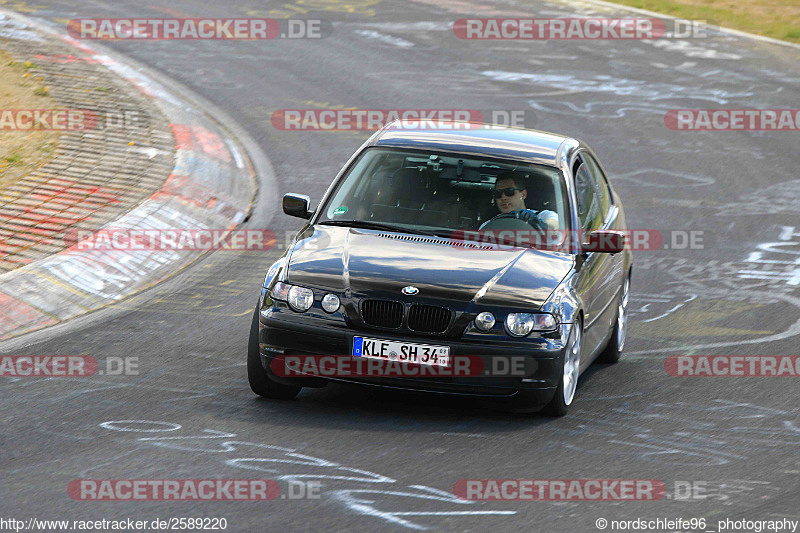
(283, 332)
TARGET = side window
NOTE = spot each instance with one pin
(588, 207)
(600, 185)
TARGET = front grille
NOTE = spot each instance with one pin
(428, 318)
(382, 313)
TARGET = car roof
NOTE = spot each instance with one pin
(502, 142)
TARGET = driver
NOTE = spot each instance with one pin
(509, 197)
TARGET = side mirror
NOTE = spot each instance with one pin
(296, 205)
(604, 241)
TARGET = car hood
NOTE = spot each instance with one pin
(364, 262)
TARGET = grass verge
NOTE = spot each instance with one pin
(22, 151)
(779, 19)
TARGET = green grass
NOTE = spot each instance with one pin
(19, 66)
(779, 19)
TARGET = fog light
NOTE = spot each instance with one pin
(300, 298)
(330, 303)
(484, 321)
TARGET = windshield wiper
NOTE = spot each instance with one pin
(366, 224)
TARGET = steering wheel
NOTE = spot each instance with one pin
(507, 221)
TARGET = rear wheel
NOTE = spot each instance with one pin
(260, 381)
(570, 371)
(613, 351)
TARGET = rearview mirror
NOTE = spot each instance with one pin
(605, 241)
(296, 205)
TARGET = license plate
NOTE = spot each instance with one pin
(406, 352)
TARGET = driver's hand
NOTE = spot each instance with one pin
(531, 219)
(551, 224)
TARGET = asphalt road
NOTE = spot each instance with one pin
(387, 460)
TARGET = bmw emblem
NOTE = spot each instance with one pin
(410, 290)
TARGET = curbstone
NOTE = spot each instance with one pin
(211, 185)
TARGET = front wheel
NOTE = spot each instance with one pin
(570, 371)
(260, 381)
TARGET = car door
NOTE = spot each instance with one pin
(615, 263)
(597, 270)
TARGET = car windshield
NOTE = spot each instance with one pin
(441, 194)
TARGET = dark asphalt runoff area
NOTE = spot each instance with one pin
(387, 460)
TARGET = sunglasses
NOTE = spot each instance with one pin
(508, 191)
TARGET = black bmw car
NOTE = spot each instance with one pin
(421, 251)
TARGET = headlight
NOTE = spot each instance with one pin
(330, 303)
(280, 291)
(300, 298)
(484, 321)
(521, 324)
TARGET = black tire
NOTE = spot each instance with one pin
(614, 348)
(260, 381)
(557, 407)
(612, 353)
